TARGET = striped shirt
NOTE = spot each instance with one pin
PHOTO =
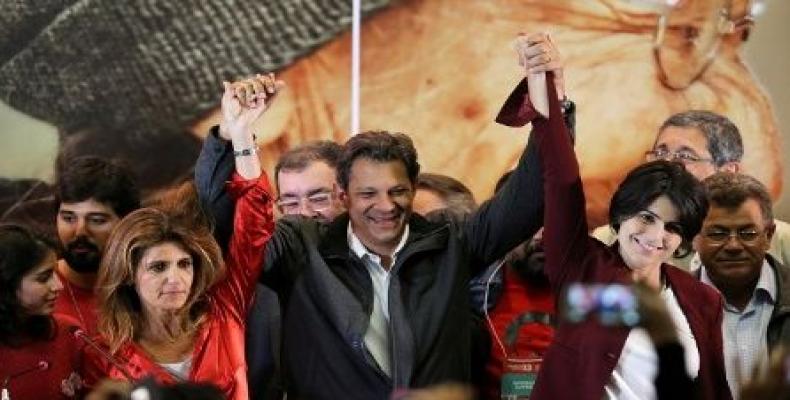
(745, 332)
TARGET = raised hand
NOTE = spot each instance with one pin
(244, 101)
(538, 53)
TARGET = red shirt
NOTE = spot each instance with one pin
(517, 298)
(218, 352)
(77, 304)
(58, 380)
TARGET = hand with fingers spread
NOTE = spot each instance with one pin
(538, 53)
(244, 101)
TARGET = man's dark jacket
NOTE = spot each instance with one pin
(326, 293)
(779, 324)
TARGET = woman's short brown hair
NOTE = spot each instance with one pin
(120, 316)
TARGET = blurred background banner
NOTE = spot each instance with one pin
(142, 83)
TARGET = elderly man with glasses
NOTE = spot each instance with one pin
(732, 246)
(705, 143)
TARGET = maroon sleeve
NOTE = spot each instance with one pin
(565, 226)
(253, 224)
(517, 110)
(718, 378)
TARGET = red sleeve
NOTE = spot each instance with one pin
(565, 236)
(253, 225)
(93, 370)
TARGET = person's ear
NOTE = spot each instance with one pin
(769, 231)
(342, 195)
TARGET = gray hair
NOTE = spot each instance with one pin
(457, 196)
(724, 139)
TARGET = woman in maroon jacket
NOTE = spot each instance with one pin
(39, 357)
(656, 210)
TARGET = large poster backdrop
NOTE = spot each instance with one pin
(130, 81)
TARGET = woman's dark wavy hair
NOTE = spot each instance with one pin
(649, 181)
(21, 250)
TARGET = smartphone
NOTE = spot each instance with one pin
(611, 305)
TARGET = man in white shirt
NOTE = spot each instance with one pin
(733, 249)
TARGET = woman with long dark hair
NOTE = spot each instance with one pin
(657, 210)
(39, 356)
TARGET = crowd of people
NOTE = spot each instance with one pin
(357, 276)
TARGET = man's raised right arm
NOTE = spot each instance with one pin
(213, 169)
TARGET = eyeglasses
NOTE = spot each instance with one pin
(316, 202)
(688, 36)
(721, 236)
(682, 156)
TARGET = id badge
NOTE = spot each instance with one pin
(518, 377)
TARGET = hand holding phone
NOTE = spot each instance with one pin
(611, 305)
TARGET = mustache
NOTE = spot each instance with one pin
(82, 242)
(733, 259)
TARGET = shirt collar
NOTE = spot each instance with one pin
(766, 283)
(361, 251)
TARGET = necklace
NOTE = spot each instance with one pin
(75, 304)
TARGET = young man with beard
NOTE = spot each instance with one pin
(92, 196)
(516, 294)
(733, 247)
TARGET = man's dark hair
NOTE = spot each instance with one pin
(724, 139)
(649, 181)
(730, 190)
(457, 196)
(298, 158)
(90, 177)
(381, 146)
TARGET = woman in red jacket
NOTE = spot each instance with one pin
(168, 309)
(38, 355)
(656, 210)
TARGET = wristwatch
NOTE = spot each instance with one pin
(566, 105)
(249, 151)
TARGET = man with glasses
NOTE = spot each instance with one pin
(733, 246)
(307, 181)
(705, 143)
(305, 178)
